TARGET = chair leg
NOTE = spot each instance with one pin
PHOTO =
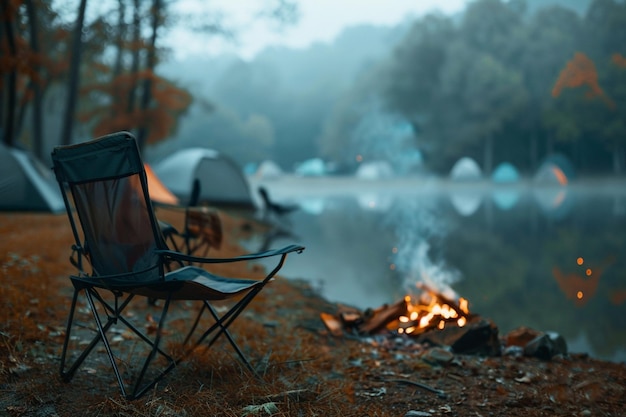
(102, 332)
(152, 354)
(222, 323)
(113, 315)
(226, 333)
(67, 375)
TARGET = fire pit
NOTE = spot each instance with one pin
(433, 319)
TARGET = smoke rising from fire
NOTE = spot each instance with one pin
(419, 231)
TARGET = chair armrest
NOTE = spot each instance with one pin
(248, 257)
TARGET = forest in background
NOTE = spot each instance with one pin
(72, 70)
(501, 81)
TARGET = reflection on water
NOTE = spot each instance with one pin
(547, 258)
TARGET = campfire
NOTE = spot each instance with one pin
(412, 315)
(431, 310)
(428, 317)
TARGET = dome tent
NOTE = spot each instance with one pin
(314, 167)
(26, 184)
(374, 170)
(222, 182)
(465, 169)
(158, 191)
(268, 169)
(555, 170)
(505, 173)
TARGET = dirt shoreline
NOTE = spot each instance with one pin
(306, 371)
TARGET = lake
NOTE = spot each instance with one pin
(550, 257)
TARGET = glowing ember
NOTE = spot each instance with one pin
(431, 310)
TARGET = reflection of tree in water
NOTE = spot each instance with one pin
(596, 275)
(579, 287)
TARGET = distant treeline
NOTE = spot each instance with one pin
(499, 83)
(510, 81)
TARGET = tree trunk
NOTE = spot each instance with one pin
(549, 146)
(35, 81)
(618, 159)
(11, 84)
(117, 69)
(488, 156)
(534, 151)
(132, 90)
(74, 75)
(150, 64)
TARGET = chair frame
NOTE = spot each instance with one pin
(122, 288)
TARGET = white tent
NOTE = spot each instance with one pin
(374, 170)
(465, 169)
(26, 184)
(268, 169)
(222, 182)
(314, 167)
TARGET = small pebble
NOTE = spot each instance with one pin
(413, 413)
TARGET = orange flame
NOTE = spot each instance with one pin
(436, 312)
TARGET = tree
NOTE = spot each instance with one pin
(10, 67)
(150, 64)
(553, 36)
(460, 87)
(482, 96)
(73, 78)
(597, 114)
(35, 82)
(29, 73)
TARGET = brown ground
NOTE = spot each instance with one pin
(306, 371)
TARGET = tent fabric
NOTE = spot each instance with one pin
(551, 173)
(222, 182)
(374, 170)
(465, 169)
(505, 173)
(268, 169)
(158, 191)
(26, 184)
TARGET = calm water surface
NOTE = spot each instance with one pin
(542, 257)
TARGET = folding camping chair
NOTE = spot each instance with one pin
(121, 240)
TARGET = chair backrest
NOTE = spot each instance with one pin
(108, 185)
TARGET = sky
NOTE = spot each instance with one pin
(320, 21)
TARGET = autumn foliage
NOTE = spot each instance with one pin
(112, 115)
(36, 51)
(619, 60)
(581, 71)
